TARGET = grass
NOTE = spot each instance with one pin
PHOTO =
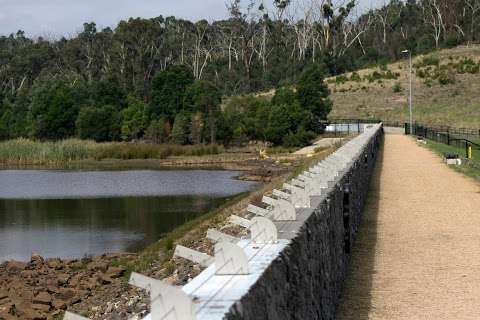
(29, 152)
(455, 104)
(161, 252)
(471, 168)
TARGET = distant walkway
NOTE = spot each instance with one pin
(418, 250)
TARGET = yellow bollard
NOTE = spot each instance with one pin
(469, 152)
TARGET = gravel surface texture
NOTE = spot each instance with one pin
(417, 255)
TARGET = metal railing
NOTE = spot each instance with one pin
(461, 138)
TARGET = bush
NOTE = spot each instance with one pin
(397, 87)
(430, 60)
(355, 77)
(453, 40)
(467, 65)
(446, 77)
(341, 79)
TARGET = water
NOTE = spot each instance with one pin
(70, 214)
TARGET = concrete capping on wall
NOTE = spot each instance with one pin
(305, 280)
(295, 261)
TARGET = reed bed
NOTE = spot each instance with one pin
(29, 152)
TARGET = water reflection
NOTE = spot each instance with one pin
(76, 227)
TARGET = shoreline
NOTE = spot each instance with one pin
(97, 286)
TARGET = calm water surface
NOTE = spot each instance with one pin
(76, 213)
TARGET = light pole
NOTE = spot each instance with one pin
(410, 90)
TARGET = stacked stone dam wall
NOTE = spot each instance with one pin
(305, 280)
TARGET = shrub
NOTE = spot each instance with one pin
(467, 65)
(397, 87)
(341, 79)
(453, 40)
(355, 77)
(430, 60)
(446, 77)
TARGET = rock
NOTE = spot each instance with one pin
(104, 279)
(41, 307)
(56, 264)
(36, 259)
(62, 279)
(3, 295)
(59, 304)
(98, 266)
(43, 298)
(15, 266)
(28, 274)
(66, 295)
(25, 311)
(115, 272)
(74, 281)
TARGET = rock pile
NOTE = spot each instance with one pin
(43, 288)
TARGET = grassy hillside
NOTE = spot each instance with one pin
(446, 90)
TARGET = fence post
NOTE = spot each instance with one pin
(448, 136)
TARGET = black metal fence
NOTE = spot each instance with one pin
(465, 139)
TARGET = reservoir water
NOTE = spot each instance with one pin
(71, 214)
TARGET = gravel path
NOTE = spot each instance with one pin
(418, 250)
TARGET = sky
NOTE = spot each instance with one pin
(56, 18)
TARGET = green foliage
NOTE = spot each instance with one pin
(285, 96)
(452, 40)
(446, 77)
(355, 77)
(180, 129)
(467, 65)
(158, 131)
(397, 87)
(28, 152)
(203, 99)
(168, 91)
(99, 124)
(341, 79)
(44, 84)
(53, 111)
(312, 94)
(134, 119)
(430, 60)
(108, 91)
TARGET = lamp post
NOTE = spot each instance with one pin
(410, 90)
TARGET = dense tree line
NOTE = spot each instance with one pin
(164, 78)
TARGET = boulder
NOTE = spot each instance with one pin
(104, 279)
(56, 264)
(42, 298)
(15, 266)
(36, 259)
(115, 272)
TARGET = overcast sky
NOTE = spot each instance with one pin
(66, 17)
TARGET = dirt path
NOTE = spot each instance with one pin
(418, 250)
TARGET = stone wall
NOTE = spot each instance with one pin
(305, 280)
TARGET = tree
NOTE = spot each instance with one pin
(180, 129)
(158, 131)
(109, 91)
(53, 111)
(284, 96)
(134, 119)
(168, 91)
(312, 94)
(205, 98)
(100, 124)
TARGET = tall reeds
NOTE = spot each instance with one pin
(28, 152)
